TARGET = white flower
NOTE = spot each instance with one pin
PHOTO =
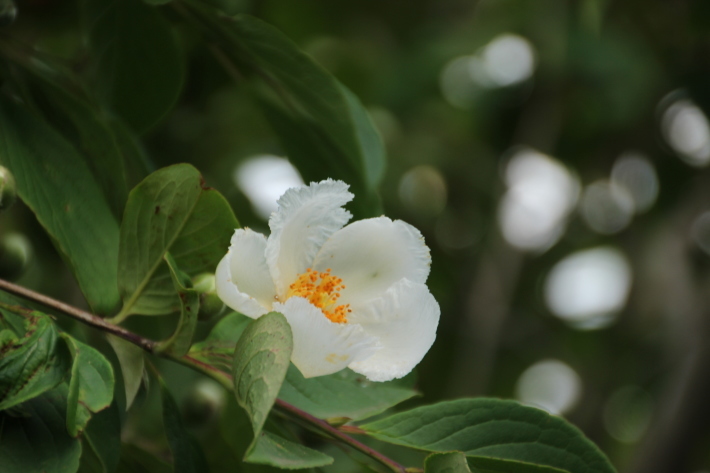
(354, 296)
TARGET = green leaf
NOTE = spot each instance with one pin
(324, 128)
(270, 449)
(496, 429)
(187, 454)
(81, 125)
(90, 462)
(34, 438)
(54, 181)
(130, 358)
(171, 210)
(33, 364)
(135, 460)
(260, 363)
(90, 387)
(13, 323)
(451, 462)
(343, 394)
(139, 66)
(102, 439)
(495, 465)
(179, 343)
(218, 348)
(135, 158)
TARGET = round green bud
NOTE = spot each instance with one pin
(8, 189)
(15, 253)
(210, 303)
(205, 282)
(204, 403)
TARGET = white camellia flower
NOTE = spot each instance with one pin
(354, 296)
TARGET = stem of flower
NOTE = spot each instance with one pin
(218, 375)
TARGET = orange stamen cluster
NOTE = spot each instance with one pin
(322, 290)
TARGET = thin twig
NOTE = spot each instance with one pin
(218, 375)
(80, 315)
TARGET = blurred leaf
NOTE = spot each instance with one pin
(76, 216)
(493, 428)
(179, 343)
(456, 462)
(218, 348)
(31, 364)
(90, 387)
(187, 454)
(135, 460)
(139, 65)
(236, 430)
(171, 210)
(34, 438)
(80, 125)
(90, 462)
(261, 359)
(270, 449)
(130, 357)
(102, 440)
(135, 159)
(496, 465)
(343, 394)
(451, 462)
(323, 126)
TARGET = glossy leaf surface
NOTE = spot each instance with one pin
(493, 428)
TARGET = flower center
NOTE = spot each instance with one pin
(321, 290)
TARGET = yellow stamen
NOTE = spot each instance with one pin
(321, 290)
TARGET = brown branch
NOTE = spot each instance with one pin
(80, 315)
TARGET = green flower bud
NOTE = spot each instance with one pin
(204, 403)
(210, 303)
(15, 253)
(8, 189)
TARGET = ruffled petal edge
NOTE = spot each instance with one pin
(404, 320)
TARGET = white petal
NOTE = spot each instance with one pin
(372, 254)
(320, 346)
(306, 217)
(243, 278)
(404, 320)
